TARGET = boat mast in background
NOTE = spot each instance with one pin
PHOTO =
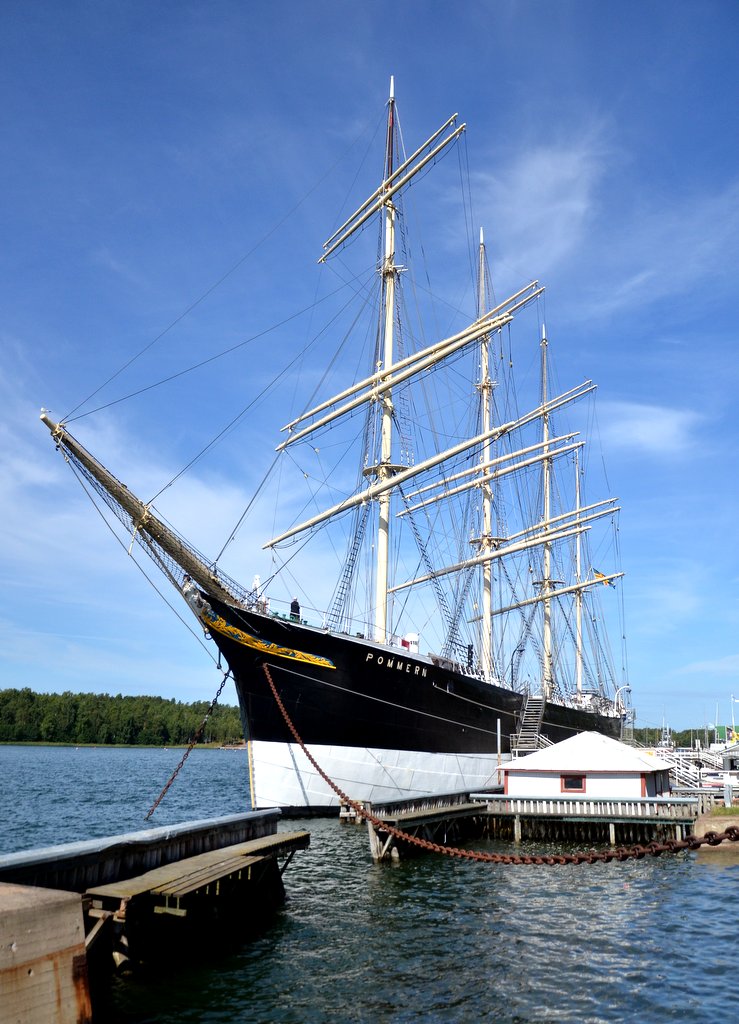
(578, 581)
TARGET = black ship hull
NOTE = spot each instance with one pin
(347, 692)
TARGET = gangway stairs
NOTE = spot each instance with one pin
(683, 772)
(528, 736)
(686, 766)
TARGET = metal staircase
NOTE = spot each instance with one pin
(684, 770)
(528, 737)
(686, 766)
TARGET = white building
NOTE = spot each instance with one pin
(589, 765)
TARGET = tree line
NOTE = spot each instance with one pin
(650, 737)
(83, 718)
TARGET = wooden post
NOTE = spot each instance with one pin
(43, 967)
(375, 844)
(517, 828)
(612, 833)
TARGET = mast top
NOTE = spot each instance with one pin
(392, 87)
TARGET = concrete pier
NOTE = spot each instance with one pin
(726, 854)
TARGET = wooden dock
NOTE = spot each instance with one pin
(445, 819)
(146, 897)
(449, 819)
(215, 874)
(77, 867)
(610, 820)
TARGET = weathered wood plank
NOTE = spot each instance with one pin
(75, 867)
(181, 877)
(43, 968)
(207, 876)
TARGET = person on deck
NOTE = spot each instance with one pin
(295, 610)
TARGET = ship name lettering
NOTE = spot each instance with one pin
(400, 666)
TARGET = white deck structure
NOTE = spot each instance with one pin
(589, 765)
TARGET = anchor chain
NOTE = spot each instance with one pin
(621, 853)
(198, 733)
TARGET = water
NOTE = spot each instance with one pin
(53, 795)
(430, 939)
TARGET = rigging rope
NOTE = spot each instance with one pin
(79, 473)
(193, 305)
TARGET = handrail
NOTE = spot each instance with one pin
(632, 807)
(564, 798)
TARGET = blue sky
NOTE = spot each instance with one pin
(155, 150)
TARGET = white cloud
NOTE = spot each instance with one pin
(649, 429)
(725, 666)
(568, 211)
(81, 610)
(539, 208)
(660, 249)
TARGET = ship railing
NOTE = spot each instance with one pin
(419, 805)
(521, 746)
(598, 704)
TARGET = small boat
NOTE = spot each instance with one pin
(463, 626)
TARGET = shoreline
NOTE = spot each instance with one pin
(119, 746)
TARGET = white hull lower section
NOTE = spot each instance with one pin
(284, 777)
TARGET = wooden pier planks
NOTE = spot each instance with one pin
(432, 815)
(181, 878)
(77, 867)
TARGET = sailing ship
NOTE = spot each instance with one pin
(445, 543)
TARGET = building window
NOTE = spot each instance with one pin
(572, 783)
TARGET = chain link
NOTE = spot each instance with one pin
(191, 746)
(621, 853)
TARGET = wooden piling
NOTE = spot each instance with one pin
(43, 966)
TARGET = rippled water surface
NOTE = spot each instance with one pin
(429, 939)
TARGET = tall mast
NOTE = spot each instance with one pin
(394, 180)
(384, 468)
(486, 388)
(547, 674)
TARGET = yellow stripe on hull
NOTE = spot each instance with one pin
(218, 623)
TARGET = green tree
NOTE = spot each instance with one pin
(67, 717)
